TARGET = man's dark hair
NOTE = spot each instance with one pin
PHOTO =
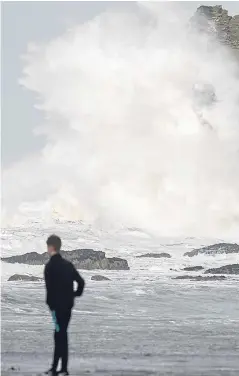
(55, 242)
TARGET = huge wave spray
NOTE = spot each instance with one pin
(127, 142)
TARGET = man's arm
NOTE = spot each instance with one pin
(49, 292)
(80, 282)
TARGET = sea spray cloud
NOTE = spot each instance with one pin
(126, 142)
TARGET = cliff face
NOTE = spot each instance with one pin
(215, 20)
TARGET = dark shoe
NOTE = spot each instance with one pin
(51, 372)
(63, 373)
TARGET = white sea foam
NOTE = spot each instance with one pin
(119, 243)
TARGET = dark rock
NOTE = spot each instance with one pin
(81, 258)
(216, 24)
(202, 278)
(183, 277)
(214, 249)
(215, 21)
(226, 269)
(193, 268)
(31, 258)
(156, 255)
(99, 278)
(24, 277)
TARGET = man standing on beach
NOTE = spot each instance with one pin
(60, 275)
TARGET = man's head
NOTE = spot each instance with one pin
(53, 244)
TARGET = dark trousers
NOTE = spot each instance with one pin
(61, 320)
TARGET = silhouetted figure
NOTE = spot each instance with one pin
(60, 275)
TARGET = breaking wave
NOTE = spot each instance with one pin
(141, 126)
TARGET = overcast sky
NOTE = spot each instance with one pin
(24, 22)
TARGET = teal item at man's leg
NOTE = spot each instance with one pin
(57, 328)
(57, 347)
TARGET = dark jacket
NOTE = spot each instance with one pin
(60, 275)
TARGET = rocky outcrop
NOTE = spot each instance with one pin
(24, 277)
(226, 269)
(214, 20)
(81, 258)
(99, 278)
(156, 255)
(202, 278)
(214, 249)
(192, 268)
(214, 23)
(32, 258)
